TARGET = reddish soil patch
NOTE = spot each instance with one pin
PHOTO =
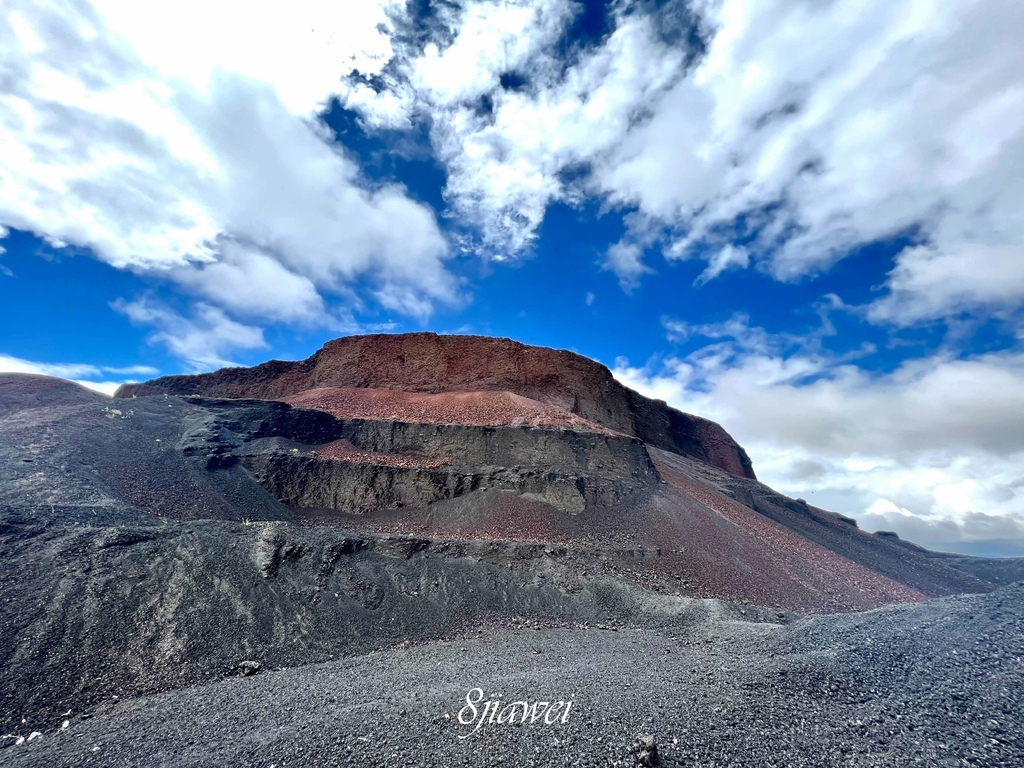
(493, 516)
(478, 409)
(757, 559)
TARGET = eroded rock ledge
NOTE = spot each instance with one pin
(429, 363)
(386, 464)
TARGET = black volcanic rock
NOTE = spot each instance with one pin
(159, 542)
(934, 684)
(427, 362)
(26, 390)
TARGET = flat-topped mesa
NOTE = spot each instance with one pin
(435, 364)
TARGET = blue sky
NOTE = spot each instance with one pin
(802, 220)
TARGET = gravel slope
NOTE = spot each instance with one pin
(140, 555)
(937, 684)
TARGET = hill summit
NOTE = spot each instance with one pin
(513, 382)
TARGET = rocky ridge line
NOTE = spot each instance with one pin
(430, 363)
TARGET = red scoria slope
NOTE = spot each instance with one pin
(477, 409)
(572, 386)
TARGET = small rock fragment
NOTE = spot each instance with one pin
(248, 668)
(646, 751)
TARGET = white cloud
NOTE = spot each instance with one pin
(626, 261)
(183, 141)
(80, 373)
(927, 283)
(250, 282)
(301, 50)
(203, 341)
(817, 127)
(939, 436)
(504, 162)
(103, 387)
(857, 121)
(132, 370)
(727, 257)
(493, 38)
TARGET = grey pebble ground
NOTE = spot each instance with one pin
(936, 684)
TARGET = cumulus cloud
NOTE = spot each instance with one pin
(81, 373)
(183, 141)
(848, 123)
(251, 282)
(807, 128)
(510, 112)
(626, 261)
(202, 341)
(928, 283)
(942, 437)
(975, 533)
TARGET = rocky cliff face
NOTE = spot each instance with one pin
(311, 460)
(429, 363)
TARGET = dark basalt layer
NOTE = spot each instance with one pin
(427, 362)
(391, 464)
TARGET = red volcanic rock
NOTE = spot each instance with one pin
(432, 364)
(477, 409)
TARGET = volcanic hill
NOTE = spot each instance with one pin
(386, 377)
(391, 490)
(482, 438)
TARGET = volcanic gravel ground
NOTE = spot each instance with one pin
(481, 409)
(793, 556)
(937, 684)
(685, 538)
(20, 391)
(119, 457)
